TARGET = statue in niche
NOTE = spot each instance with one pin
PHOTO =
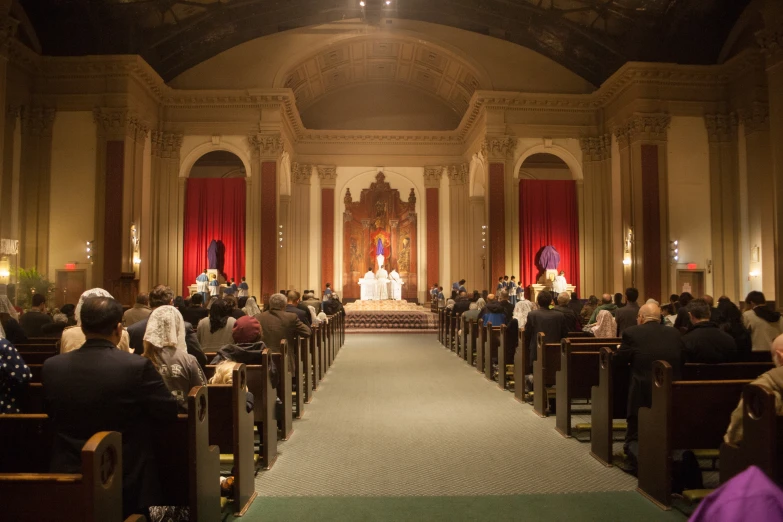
(348, 199)
(354, 252)
(412, 201)
(404, 259)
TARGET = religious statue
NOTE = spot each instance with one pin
(212, 255)
(404, 260)
(548, 262)
(379, 251)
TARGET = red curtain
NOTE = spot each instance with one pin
(214, 209)
(548, 215)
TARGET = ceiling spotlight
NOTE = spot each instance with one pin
(361, 3)
(388, 2)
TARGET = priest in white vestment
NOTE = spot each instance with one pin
(368, 286)
(382, 288)
(559, 285)
(396, 285)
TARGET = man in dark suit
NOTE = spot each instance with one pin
(278, 324)
(626, 316)
(462, 303)
(310, 300)
(508, 308)
(196, 311)
(551, 322)
(706, 342)
(33, 321)
(642, 344)
(162, 295)
(573, 324)
(100, 388)
(293, 307)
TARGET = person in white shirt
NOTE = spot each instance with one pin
(382, 278)
(559, 285)
(368, 286)
(396, 285)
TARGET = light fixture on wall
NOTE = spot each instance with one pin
(674, 251)
(280, 236)
(754, 274)
(136, 260)
(361, 3)
(628, 245)
(627, 261)
(90, 250)
(483, 236)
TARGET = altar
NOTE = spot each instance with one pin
(537, 289)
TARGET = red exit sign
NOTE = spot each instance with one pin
(70, 266)
(691, 266)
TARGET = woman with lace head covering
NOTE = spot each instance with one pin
(9, 319)
(605, 325)
(73, 337)
(251, 308)
(480, 304)
(215, 330)
(521, 309)
(164, 345)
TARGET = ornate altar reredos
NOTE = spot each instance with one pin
(381, 214)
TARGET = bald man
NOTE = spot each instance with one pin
(642, 344)
(606, 304)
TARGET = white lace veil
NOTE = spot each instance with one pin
(2, 332)
(92, 292)
(166, 327)
(251, 307)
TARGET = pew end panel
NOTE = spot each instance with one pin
(284, 387)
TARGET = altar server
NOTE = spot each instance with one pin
(202, 284)
(213, 286)
(244, 290)
(396, 285)
(512, 290)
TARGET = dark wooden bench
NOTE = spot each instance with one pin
(315, 360)
(231, 429)
(471, 341)
(36, 357)
(725, 371)
(284, 389)
(304, 376)
(32, 398)
(575, 377)
(762, 437)
(494, 349)
(683, 415)
(454, 326)
(52, 343)
(481, 347)
(25, 443)
(441, 322)
(94, 495)
(188, 466)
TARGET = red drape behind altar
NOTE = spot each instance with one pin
(548, 215)
(214, 209)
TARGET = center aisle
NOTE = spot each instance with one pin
(398, 416)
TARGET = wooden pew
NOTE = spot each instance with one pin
(501, 349)
(284, 391)
(322, 366)
(52, 343)
(441, 336)
(307, 368)
(762, 437)
(94, 495)
(544, 367)
(494, 347)
(447, 328)
(297, 382)
(471, 341)
(259, 383)
(683, 415)
(36, 348)
(522, 367)
(576, 376)
(189, 468)
(231, 429)
(25, 443)
(314, 357)
(35, 370)
(480, 346)
(462, 337)
(455, 318)
(609, 398)
(32, 399)
(36, 357)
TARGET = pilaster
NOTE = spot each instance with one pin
(596, 224)
(327, 174)
(297, 238)
(644, 189)
(168, 203)
(499, 150)
(432, 176)
(724, 203)
(459, 220)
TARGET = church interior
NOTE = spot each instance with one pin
(437, 140)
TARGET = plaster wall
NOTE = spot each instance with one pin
(74, 142)
(689, 195)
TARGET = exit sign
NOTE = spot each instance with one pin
(70, 266)
(691, 266)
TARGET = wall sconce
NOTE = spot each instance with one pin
(90, 250)
(280, 236)
(136, 260)
(709, 266)
(5, 270)
(483, 236)
(627, 261)
(754, 274)
(674, 251)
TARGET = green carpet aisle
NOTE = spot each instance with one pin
(403, 430)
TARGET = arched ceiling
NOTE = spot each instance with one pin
(407, 62)
(592, 38)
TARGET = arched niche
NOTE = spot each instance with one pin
(200, 150)
(545, 166)
(218, 164)
(574, 164)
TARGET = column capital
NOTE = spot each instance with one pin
(432, 175)
(770, 39)
(457, 173)
(120, 123)
(721, 128)
(596, 148)
(643, 127)
(166, 144)
(37, 121)
(498, 147)
(328, 175)
(755, 118)
(8, 27)
(265, 145)
(301, 173)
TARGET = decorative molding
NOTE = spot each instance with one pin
(596, 148)
(269, 145)
(120, 122)
(721, 128)
(457, 173)
(755, 119)
(37, 121)
(166, 145)
(8, 27)
(499, 147)
(432, 176)
(301, 173)
(327, 174)
(643, 127)
(771, 40)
